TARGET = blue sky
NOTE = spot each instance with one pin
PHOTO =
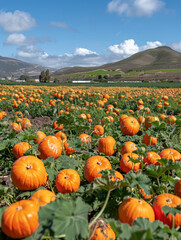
(66, 33)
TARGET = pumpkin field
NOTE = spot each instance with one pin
(90, 163)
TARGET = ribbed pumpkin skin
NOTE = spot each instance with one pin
(28, 173)
(132, 208)
(151, 158)
(15, 127)
(122, 117)
(94, 165)
(106, 145)
(128, 147)
(67, 181)
(103, 231)
(20, 219)
(85, 138)
(43, 197)
(170, 153)
(50, 147)
(170, 200)
(118, 176)
(177, 188)
(129, 126)
(127, 165)
(41, 136)
(98, 130)
(149, 140)
(20, 148)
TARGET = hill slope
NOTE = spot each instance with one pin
(10, 66)
(157, 58)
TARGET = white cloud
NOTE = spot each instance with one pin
(82, 56)
(17, 21)
(136, 8)
(62, 25)
(176, 46)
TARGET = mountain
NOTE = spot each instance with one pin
(156, 58)
(11, 66)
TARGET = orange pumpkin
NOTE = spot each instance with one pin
(98, 130)
(122, 117)
(151, 158)
(25, 123)
(50, 146)
(68, 150)
(149, 140)
(15, 127)
(170, 200)
(20, 148)
(43, 197)
(20, 219)
(67, 181)
(149, 120)
(129, 126)
(170, 153)
(101, 231)
(85, 138)
(141, 120)
(127, 165)
(171, 119)
(107, 145)
(41, 135)
(128, 147)
(62, 136)
(94, 165)
(28, 173)
(132, 208)
(117, 176)
(177, 188)
(2, 114)
(57, 126)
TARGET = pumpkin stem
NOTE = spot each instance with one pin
(169, 200)
(99, 163)
(29, 167)
(19, 208)
(66, 177)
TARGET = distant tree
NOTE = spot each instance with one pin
(99, 77)
(42, 76)
(47, 76)
(55, 80)
(24, 77)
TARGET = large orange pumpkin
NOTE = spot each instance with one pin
(170, 153)
(28, 173)
(129, 126)
(128, 147)
(149, 140)
(20, 219)
(127, 165)
(107, 145)
(94, 165)
(43, 197)
(15, 127)
(151, 158)
(20, 148)
(50, 146)
(67, 181)
(62, 136)
(132, 208)
(41, 135)
(101, 231)
(98, 130)
(170, 200)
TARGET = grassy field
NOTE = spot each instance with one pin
(143, 84)
(136, 73)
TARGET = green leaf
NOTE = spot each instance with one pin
(71, 219)
(65, 162)
(1, 213)
(171, 210)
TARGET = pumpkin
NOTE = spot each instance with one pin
(170, 200)
(151, 158)
(128, 147)
(171, 119)
(62, 136)
(68, 150)
(50, 146)
(41, 135)
(107, 145)
(20, 148)
(67, 181)
(28, 173)
(149, 140)
(129, 126)
(110, 120)
(117, 176)
(94, 165)
(162, 116)
(98, 130)
(149, 120)
(132, 208)
(85, 138)
(141, 120)
(43, 197)
(2, 114)
(25, 123)
(101, 230)
(57, 126)
(145, 196)
(20, 219)
(15, 127)
(177, 188)
(122, 117)
(170, 153)
(127, 165)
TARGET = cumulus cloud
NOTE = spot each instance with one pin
(136, 8)
(82, 56)
(16, 22)
(176, 46)
(62, 25)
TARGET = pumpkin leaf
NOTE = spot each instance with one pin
(71, 219)
(1, 213)
(64, 162)
(171, 210)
